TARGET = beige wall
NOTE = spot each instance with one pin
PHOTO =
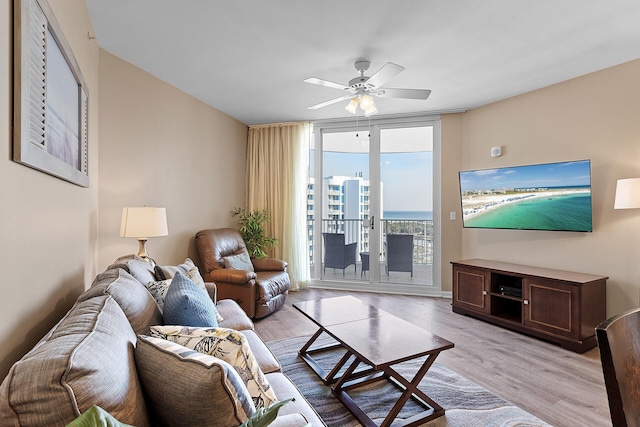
(162, 147)
(592, 117)
(450, 164)
(48, 227)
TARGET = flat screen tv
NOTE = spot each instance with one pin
(550, 196)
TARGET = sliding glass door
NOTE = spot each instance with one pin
(406, 176)
(372, 191)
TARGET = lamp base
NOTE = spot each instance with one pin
(142, 251)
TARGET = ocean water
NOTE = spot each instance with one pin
(568, 212)
(420, 215)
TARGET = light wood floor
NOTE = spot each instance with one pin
(556, 385)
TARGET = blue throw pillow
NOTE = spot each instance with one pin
(186, 304)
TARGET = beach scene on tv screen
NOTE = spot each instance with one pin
(552, 196)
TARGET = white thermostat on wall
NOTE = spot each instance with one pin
(496, 151)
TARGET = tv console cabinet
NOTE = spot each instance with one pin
(559, 306)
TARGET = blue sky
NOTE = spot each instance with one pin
(407, 177)
(542, 175)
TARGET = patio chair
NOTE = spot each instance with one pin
(400, 253)
(619, 344)
(337, 254)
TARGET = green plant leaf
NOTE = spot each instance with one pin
(251, 228)
(265, 416)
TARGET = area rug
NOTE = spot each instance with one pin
(466, 404)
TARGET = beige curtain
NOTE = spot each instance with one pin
(277, 176)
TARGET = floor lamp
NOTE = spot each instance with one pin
(627, 194)
(143, 223)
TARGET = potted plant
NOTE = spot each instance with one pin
(251, 229)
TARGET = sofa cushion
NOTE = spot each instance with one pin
(234, 316)
(291, 420)
(266, 360)
(189, 388)
(85, 360)
(131, 295)
(136, 266)
(286, 389)
(228, 345)
(187, 304)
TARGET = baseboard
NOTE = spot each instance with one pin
(383, 288)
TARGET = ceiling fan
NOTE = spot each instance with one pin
(361, 88)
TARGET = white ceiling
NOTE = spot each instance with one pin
(248, 58)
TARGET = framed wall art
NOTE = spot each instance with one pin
(51, 100)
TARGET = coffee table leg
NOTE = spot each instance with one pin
(305, 354)
(305, 347)
(411, 389)
(346, 400)
(349, 380)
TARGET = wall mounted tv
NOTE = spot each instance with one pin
(550, 196)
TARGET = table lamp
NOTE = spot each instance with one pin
(627, 194)
(143, 223)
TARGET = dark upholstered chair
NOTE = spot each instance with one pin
(400, 253)
(260, 292)
(619, 344)
(337, 254)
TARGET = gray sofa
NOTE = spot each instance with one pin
(98, 354)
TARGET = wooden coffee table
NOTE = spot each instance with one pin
(379, 340)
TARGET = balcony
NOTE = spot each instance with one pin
(421, 258)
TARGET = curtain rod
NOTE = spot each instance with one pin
(268, 125)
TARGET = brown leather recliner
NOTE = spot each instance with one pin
(259, 293)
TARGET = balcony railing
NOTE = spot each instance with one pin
(422, 231)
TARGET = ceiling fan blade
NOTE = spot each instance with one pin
(404, 93)
(333, 101)
(316, 81)
(384, 74)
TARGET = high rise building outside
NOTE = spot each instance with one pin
(345, 207)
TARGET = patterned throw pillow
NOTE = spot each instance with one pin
(238, 262)
(186, 304)
(158, 291)
(228, 345)
(189, 388)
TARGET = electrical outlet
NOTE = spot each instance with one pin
(452, 216)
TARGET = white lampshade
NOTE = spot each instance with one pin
(365, 102)
(371, 110)
(627, 194)
(144, 222)
(352, 106)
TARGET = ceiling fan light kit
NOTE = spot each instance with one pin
(362, 88)
(352, 106)
(366, 103)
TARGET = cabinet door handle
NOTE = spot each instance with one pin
(526, 302)
(484, 292)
